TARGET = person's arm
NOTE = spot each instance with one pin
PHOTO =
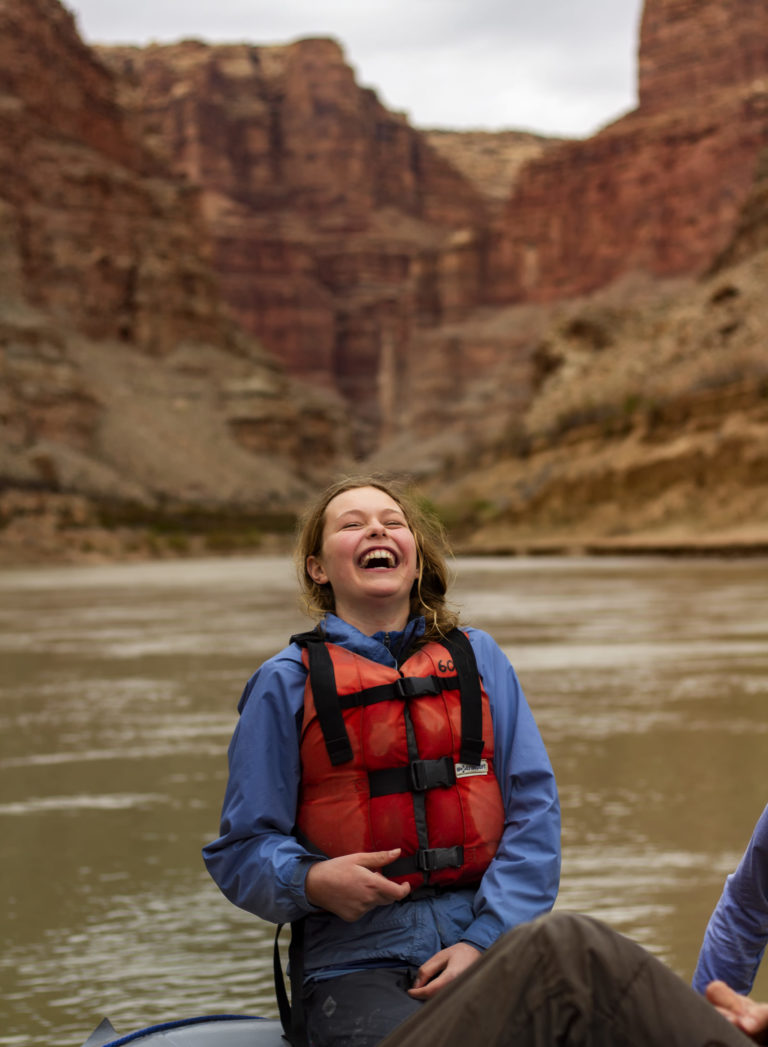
(748, 1015)
(256, 861)
(737, 931)
(523, 879)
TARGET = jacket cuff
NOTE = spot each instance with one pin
(482, 932)
(298, 884)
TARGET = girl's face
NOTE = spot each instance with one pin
(368, 556)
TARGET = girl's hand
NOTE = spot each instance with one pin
(352, 885)
(440, 969)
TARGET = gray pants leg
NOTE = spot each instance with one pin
(359, 1009)
(567, 981)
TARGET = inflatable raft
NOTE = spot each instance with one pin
(219, 1030)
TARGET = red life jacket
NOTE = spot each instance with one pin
(400, 758)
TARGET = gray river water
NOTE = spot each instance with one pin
(648, 678)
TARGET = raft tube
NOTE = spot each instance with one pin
(218, 1030)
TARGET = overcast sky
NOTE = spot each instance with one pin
(553, 66)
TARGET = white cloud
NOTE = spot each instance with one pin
(554, 66)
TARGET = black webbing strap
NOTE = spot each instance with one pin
(464, 660)
(329, 705)
(326, 698)
(291, 1011)
(417, 776)
(403, 688)
(283, 1003)
(426, 860)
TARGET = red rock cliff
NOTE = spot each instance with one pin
(319, 201)
(103, 236)
(122, 373)
(660, 190)
(690, 51)
(340, 235)
(147, 196)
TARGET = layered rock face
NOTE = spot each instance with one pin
(227, 271)
(319, 202)
(649, 423)
(491, 160)
(658, 191)
(348, 241)
(691, 51)
(123, 375)
(649, 430)
(105, 239)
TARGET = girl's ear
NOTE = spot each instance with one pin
(316, 571)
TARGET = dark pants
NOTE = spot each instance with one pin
(359, 1009)
(567, 981)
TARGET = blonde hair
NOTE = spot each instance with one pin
(428, 595)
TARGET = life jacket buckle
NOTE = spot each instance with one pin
(432, 774)
(416, 686)
(434, 858)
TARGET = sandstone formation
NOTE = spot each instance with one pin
(694, 51)
(123, 376)
(318, 200)
(662, 451)
(653, 197)
(106, 240)
(658, 191)
(227, 271)
(357, 248)
(491, 160)
(649, 426)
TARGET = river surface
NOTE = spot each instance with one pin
(648, 678)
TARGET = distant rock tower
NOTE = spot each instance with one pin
(692, 49)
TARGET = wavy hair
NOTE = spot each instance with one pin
(428, 594)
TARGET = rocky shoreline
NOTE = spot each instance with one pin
(64, 529)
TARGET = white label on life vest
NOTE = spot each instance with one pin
(467, 770)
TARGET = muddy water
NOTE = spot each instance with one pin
(649, 679)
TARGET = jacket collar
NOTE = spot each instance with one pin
(384, 648)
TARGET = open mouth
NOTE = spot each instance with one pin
(378, 558)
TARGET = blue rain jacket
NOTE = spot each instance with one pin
(261, 867)
(737, 932)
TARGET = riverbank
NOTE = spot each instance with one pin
(40, 527)
(726, 543)
(61, 529)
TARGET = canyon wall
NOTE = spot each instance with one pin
(228, 271)
(123, 375)
(356, 247)
(692, 51)
(660, 190)
(319, 202)
(105, 238)
(653, 197)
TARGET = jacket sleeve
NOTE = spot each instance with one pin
(523, 879)
(256, 862)
(737, 932)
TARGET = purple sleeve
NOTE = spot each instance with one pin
(256, 861)
(737, 931)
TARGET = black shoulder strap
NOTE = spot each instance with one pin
(291, 1011)
(326, 697)
(465, 662)
(329, 711)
